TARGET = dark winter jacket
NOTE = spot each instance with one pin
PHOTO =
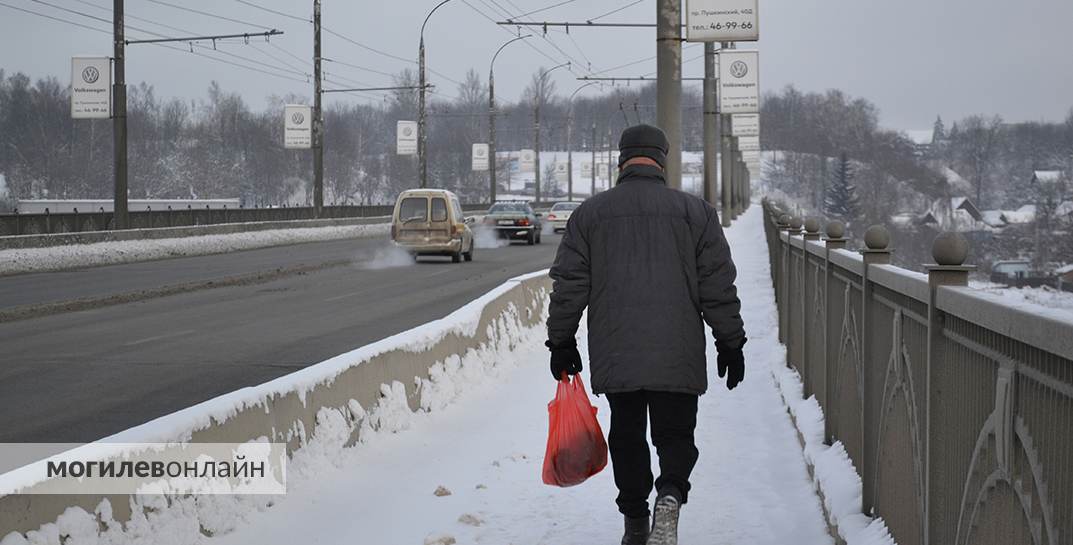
(652, 266)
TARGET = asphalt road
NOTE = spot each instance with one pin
(80, 376)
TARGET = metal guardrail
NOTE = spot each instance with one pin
(76, 222)
(955, 408)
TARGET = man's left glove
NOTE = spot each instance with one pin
(731, 361)
(564, 359)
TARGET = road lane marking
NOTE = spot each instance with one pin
(159, 337)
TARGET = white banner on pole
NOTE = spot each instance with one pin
(480, 157)
(406, 138)
(561, 169)
(601, 170)
(739, 81)
(297, 126)
(91, 87)
(586, 169)
(527, 160)
(745, 124)
(749, 143)
(722, 21)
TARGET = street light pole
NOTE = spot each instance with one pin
(422, 137)
(570, 143)
(536, 127)
(492, 118)
(711, 128)
(318, 118)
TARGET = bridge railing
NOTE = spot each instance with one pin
(77, 222)
(955, 407)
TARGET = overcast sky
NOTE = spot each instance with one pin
(913, 58)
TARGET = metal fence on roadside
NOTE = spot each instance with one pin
(78, 221)
(955, 407)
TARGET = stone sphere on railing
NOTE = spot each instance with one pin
(795, 223)
(836, 230)
(877, 238)
(950, 249)
(785, 219)
(812, 226)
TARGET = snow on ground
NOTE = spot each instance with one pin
(25, 260)
(751, 485)
(1060, 301)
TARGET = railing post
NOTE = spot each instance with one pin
(835, 240)
(877, 252)
(791, 290)
(949, 269)
(812, 232)
(784, 281)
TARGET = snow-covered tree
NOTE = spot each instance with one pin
(841, 201)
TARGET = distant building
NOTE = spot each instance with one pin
(1010, 270)
(1048, 176)
(922, 140)
(957, 214)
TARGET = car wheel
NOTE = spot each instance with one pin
(531, 240)
(468, 256)
(456, 257)
(538, 236)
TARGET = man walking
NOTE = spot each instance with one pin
(652, 266)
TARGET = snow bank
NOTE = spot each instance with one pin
(833, 472)
(320, 410)
(1042, 300)
(25, 260)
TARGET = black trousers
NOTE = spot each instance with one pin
(674, 419)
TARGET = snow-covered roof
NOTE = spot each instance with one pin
(994, 218)
(921, 137)
(1048, 175)
(955, 214)
(1064, 209)
(1025, 214)
(956, 181)
(1064, 270)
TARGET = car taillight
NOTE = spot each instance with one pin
(551, 216)
(455, 230)
(522, 222)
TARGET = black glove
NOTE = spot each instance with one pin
(564, 359)
(732, 359)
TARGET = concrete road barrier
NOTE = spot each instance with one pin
(277, 409)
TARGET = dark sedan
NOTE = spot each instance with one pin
(514, 220)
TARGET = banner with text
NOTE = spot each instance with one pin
(527, 160)
(722, 21)
(480, 157)
(739, 81)
(406, 137)
(297, 126)
(746, 124)
(91, 87)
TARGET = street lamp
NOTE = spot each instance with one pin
(536, 127)
(570, 142)
(492, 116)
(422, 151)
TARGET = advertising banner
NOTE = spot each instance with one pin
(480, 157)
(297, 126)
(406, 138)
(91, 88)
(739, 81)
(722, 21)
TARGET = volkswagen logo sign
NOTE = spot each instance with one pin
(481, 152)
(739, 69)
(90, 74)
(297, 118)
(408, 131)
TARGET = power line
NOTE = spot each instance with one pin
(57, 19)
(358, 67)
(207, 14)
(279, 60)
(269, 10)
(614, 11)
(129, 16)
(564, 2)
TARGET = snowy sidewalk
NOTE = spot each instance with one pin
(750, 486)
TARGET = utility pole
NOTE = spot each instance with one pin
(727, 163)
(592, 171)
(318, 118)
(119, 118)
(569, 156)
(536, 141)
(492, 135)
(669, 85)
(711, 130)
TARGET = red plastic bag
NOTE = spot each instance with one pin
(576, 446)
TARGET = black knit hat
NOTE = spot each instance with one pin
(643, 141)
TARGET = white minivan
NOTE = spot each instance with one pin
(431, 222)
